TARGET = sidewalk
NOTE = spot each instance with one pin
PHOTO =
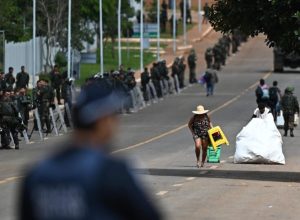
(194, 40)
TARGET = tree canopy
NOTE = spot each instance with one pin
(279, 20)
(52, 15)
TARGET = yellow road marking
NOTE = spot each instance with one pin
(185, 125)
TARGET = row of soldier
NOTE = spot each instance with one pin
(217, 55)
(16, 105)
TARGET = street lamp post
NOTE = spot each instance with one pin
(33, 43)
(199, 16)
(174, 26)
(119, 33)
(69, 37)
(142, 37)
(158, 30)
(184, 22)
(101, 36)
(3, 42)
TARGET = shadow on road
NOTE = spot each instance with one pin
(225, 174)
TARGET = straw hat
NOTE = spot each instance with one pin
(200, 110)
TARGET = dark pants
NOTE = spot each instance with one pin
(274, 111)
(193, 75)
(58, 94)
(288, 121)
(5, 136)
(44, 114)
(209, 89)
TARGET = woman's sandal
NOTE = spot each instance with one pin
(198, 164)
(202, 164)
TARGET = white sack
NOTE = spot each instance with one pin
(259, 142)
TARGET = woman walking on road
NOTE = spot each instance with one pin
(199, 125)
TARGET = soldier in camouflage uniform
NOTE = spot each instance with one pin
(145, 79)
(290, 106)
(10, 79)
(56, 82)
(43, 97)
(24, 104)
(155, 77)
(9, 121)
(192, 59)
(182, 67)
(217, 56)
(209, 56)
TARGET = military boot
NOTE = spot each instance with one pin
(285, 133)
(292, 133)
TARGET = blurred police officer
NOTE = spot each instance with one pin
(82, 181)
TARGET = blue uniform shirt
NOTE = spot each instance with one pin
(83, 183)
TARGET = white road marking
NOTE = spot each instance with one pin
(10, 179)
(190, 178)
(178, 184)
(161, 193)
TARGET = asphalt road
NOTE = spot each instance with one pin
(158, 144)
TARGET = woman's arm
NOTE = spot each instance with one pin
(210, 124)
(190, 124)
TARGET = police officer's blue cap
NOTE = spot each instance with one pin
(95, 101)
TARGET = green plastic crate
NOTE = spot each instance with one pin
(212, 155)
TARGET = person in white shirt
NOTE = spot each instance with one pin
(261, 111)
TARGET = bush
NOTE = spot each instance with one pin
(44, 76)
(60, 59)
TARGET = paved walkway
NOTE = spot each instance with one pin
(194, 40)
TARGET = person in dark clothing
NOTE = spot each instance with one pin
(22, 79)
(2, 83)
(192, 59)
(9, 121)
(24, 104)
(290, 106)
(164, 16)
(83, 181)
(10, 79)
(206, 12)
(56, 82)
(275, 95)
(145, 79)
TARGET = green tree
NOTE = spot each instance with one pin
(279, 20)
(90, 11)
(13, 20)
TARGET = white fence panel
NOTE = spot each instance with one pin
(20, 54)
